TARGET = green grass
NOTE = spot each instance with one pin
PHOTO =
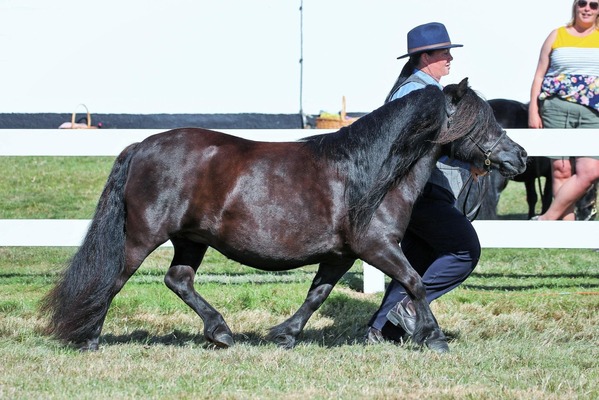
(51, 187)
(515, 334)
(523, 326)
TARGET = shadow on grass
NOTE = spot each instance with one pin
(349, 318)
(348, 315)
(176, 338)
(527, 281)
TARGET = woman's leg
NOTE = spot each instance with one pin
(441, 245)
(571, 179)
(572, 188)
(561, 171)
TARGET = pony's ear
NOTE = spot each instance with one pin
(456, 95)
(460, 91)
(462, 88)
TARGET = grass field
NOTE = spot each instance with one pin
(523, 326)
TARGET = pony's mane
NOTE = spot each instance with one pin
(379, 149)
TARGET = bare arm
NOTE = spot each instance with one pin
(534, 119)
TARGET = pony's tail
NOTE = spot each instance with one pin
(78, 303)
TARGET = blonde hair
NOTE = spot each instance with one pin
(573, 19)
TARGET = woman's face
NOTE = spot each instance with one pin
(437, 63)
(586, 15)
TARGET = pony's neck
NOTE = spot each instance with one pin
(420, 173)
(408, 166)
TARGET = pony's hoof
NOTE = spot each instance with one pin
(222, 341)
(282, 339)
(438, 346)
(437, 342)
(222, 338)
(281, 336)
(88, 345)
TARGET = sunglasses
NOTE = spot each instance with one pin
(592, 5)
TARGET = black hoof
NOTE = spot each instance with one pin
(223, 341)
(285, 341)
(280, 336)
(221, 337)
(437, 342)
(88, 345)
(438, 346)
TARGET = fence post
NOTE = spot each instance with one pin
(374, 280)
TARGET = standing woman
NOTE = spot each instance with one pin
(565, 94)
(440, 242)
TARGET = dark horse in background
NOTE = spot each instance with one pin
(328, 199)
(512, 114)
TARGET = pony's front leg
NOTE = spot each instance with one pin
(435, 339)
(326, 278)
(394, 264)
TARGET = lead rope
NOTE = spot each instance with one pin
(482, 186)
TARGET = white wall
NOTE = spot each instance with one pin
(228, 56)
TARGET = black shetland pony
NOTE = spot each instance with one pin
(327, 199)
(512, 114)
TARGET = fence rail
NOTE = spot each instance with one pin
(110, 142)
(498, 234)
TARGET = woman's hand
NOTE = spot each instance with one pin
(534, 120)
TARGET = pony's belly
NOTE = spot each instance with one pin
(277, 253)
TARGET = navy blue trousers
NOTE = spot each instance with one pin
(442, 247)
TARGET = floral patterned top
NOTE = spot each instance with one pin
(573, 74)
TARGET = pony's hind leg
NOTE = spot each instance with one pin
(134, 256)
(180, 278)
(326, 278)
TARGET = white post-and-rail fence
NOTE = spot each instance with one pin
(110, 142)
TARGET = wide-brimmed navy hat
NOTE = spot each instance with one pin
(427, 37)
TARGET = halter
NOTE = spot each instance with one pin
(487, 153)
(481, 182)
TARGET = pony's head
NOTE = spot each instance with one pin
(473, 135)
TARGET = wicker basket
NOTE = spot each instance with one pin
(335, 123)
(77, 125)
